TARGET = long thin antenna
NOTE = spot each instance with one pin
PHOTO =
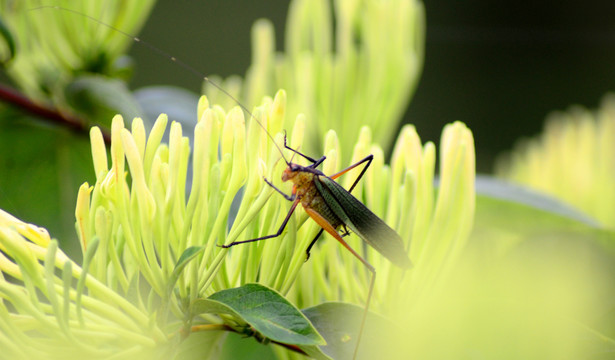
(168, 56)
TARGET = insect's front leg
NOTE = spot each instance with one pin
(278, 233)
(290, 197)
(293, 198)
(314, 162)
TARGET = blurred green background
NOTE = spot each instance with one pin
(498, 66)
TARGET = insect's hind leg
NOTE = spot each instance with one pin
(367, 159)
(320, 220)
(309, 248)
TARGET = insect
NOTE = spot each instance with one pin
(331, 206)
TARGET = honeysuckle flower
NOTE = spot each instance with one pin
(137, 220)
(573, 160)
(373, 47)
(57, 45)
(52, 308)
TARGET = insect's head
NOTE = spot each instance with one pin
(291, 171)
(291, 168)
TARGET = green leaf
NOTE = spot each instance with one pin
(100, 98)
(9, 42)
(339, 324)
(188, 254)
(263, 309)
(46, 164)
(87, 259)
(494, 188)
(530, 260)
(202, 345)
(508, 215)
(237, 348)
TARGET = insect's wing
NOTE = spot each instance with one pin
(362, 221)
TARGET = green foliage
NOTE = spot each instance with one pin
(572, 160)
(505, 274)
(41, 167)
(99, 97)
(339, 324)
(266, 311)
(8, 44)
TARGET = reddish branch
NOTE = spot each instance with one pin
(11, 96)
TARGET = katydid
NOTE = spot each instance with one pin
(332, 207)
(323, 199)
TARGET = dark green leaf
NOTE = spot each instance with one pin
(263, 309)
(206, 306)
(202, 345)
(315, 352)
(47, 164)
(339, 324)
(184, 259)
(99, 98)
(9, 41)
(237, 348)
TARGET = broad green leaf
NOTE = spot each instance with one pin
(263, 309)
(508, 214)
(499, 189)
(339, 324)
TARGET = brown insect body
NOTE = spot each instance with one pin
(304, 189)
(332, 206)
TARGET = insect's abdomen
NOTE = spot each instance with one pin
(367, 225)
(320, 206)
(311, 198)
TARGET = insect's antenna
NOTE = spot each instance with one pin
(165, 54)
(291, 158)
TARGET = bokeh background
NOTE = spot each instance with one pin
(543, 278)
(498, 66)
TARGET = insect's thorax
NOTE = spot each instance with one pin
(310, 197)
